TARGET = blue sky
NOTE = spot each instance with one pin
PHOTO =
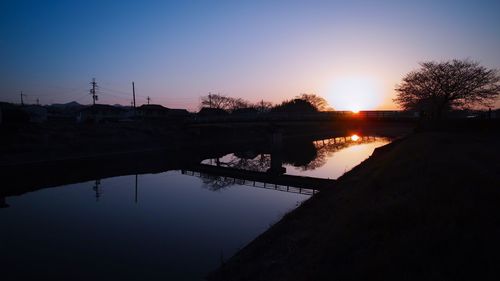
(177, 51)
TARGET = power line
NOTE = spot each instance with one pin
(115, 96)
(82, 97)
(116, 91)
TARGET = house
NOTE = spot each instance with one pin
(158, 111)
(36, 113)
(11, 113)
(68, 111)
(207, 111)
(101, 113)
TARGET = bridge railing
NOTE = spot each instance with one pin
(319, 116)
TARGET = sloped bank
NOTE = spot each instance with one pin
(424, 208)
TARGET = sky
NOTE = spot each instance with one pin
(352, 53)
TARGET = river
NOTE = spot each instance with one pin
(171, 225)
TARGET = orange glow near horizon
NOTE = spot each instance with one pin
(355, 93)
(355, 137)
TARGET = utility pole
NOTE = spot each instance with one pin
(133, 93)
(93, 90)
(210, 99)
(148, 99)
(136, 188)
(96, 189)
(22, 101)
(37, 101)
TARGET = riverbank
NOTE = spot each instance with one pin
(55, 141)
(423, 208)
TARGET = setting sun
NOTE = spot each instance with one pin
(355, 94)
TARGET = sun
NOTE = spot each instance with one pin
(354, 93)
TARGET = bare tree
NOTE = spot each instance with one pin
(437, 87)
(216, 101)
(237, 103)
(223, 102)
(319, 102)
(263, 106)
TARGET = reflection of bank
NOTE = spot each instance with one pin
(3, 204)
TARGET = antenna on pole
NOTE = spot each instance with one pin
(93, 91)
(149, 99)
(210, 99)
(22, 101)
(37, 101)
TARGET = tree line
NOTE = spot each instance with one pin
(301, 103)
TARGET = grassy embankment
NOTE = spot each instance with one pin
(424, 208)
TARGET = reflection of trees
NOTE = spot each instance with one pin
(241, 160)
(215, 183)
(327, 147)
(259, 163)
(299, 153)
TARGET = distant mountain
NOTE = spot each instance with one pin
(122, 106)
(68, 105)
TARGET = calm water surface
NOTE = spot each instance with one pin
(170, 226)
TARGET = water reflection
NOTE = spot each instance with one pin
(178, 232)
(182, 228)
(97, 189)
(303, 154)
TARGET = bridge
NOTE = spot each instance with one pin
(268, 180)
(325, 116)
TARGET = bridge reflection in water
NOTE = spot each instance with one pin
(251, 183)
(267, 170)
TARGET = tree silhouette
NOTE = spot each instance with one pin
(438, 87)
(295, 106)
(263, 106)
(319, 102)
(223, 102)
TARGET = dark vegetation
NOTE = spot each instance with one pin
(421, 208)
